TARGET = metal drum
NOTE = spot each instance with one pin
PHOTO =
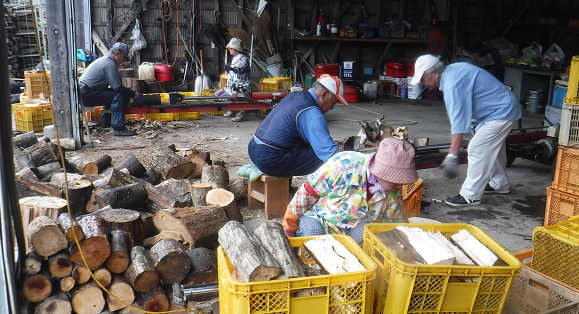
(535, 101)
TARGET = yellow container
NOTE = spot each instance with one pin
(276, 84)
(208, 92)
(32, 117)
(161, 116)
(409, 288)
(572, 89)
(216, 113)
(188, 94)
(37, 83)
(344, 293)
(188, 115)
(412, 198)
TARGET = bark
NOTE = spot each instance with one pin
(132, 196)
(199, 193)
(129, 310)
(203, 267)
(70, 230)
(178, 187)
(67, 283)
(120, 178)
(199, 163)
(42, 153)
(217, 176)
(59, 264)
(272, 236)
(120, 257)
(40, 187)
(79, 193)
(80, 274)
(57, 179)
(87, 299)
(171, 262)
(47, 170)
(38, 287)
(103, 276)
(120, 290)
(98, 165)
(25, 140)
(124, 219)
(131, 163)
(148, 225)
(32, 263)
(226, 200)
(238, 187)
(165, 199)
(22, 160)
(77, 164)
(95, 246)
(154, 300)
(141, 273)
(27, 174)
(152, 177)
(166, 163)
(59, 303)
(45, 236)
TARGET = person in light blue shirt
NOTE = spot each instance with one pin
(472, 93)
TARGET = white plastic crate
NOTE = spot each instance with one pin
(569, 129)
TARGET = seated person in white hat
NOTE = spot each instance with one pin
(352, 189)
(238, 80)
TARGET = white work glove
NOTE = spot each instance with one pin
(449, 165)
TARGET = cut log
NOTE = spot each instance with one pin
(95, 246)
(141, 273)
(225, 199)
(120, 256)
(42, 153)
(238, 187)
(87, 299)
(251, 261)
(98, 165)
(80, 274)
(67, 283)
(199, 193)
(59, 303)
(131, 163)
(70, 230)
(154, 300)
(40, 187)
(32, 263)
(38, 287)
(45, 236)
(171, 262)
(332, 255)
(67, 143)
(48, 170)
(148, 226)
(217, 176)
(25, 140)
(165, 199)
(124, 219)
(77, 164)
(178, 187)
(59, 264)
(164, 162)
(22, 160)
(272, 236)
(103, 276)
(58, 178)
(119, 178)
(79, 193)
(199, 162)
(92, 204)
(203, 267)
(121, 291)
(152, 177)
(28, 174)
(131, 310)
(133, 196)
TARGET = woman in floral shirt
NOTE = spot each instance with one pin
(351, 189)
(238, 80)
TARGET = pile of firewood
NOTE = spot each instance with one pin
(142, 225)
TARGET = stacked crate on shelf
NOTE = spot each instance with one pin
(32, 117)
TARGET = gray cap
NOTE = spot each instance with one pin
(120, 47)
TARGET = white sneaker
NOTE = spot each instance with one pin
(228, 114)
(239, 117)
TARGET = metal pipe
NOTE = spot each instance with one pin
(232, 97)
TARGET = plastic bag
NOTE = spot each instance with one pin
(532, 54)
(137, 37)
(554, 57)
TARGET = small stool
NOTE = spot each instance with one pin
(272, 192)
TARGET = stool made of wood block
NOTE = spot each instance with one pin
(271, 193)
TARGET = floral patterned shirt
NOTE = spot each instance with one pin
(238, 81)
(342, 185)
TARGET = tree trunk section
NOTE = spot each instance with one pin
(272, 236)
(67, 283)
(32, 207)
(217, 176)
(57, 179)
(119, 259)
(42, 153)
(152, 177)
(95, 246)
(166, 163)
(120, 178)
(59, 303)
(77, 164)
(203, 267)
(199, 193)
(45, 236)
(179, 188)
(120, 289)
(98, 165)
(87, 299)
(40, 187)
(199, 163)
(103, 276)
(37, 288)
(25, 140)
(239, 188)
(124, 219)
(226, 200)
(154, 300)
(141, 273)
(47, 170)
(27, 174)
(251, 261)
(59, 264)
(32, 263)
(22, 160)
(131, 163)
(70, 230)
(80, 274)
(148, 226)
(165, 199)
(92, 204)
(132, 196)
(171, 262)
(79, 193)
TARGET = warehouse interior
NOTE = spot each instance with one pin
(179, 58)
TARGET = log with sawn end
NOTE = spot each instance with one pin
(79, 193)
(57, 303)
(154, 300)
(42, 153)
(141, 273)
(166, 163)
(35, 206)
(59, 264)
(119, 178)
(272, 236)
(25, 140)
(133, 196)
(98, 165)
(95, 246)
(67, 283)
(120, 256)
(80, 274)
(165, 199)
(38, 287)
(120, 292)
(123, 219)
(226, 200)
(103, 276)
(27, 174)
(87, 298)
(238, 187)
(199, 161)
(32, 263)
(203, 267)
(46, 171)
(178, 187)
(199, 193)
(131, 163)
(58, 179)
(40, 187)
(171, 261)
(217, 176)
(45, 236)
(68, 229)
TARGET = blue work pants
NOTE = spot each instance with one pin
(281, 163)
(110, 100)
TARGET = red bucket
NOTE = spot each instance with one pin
(163, 72)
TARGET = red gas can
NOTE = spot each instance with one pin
(351, 94)
(410, 69)
(327, 68)
(163, 72)
(396, 69)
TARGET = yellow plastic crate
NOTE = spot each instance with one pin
(217, 113)
(276, 84)
(161, 116)
(345, 293)
(567, 171)
(560, 207)
(412, 198)
(409, 288)
(188, 115)
(556, 251)
(32, 117)
(37, 83)
(573, 88)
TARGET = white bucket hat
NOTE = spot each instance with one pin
(235, 43)
(423, 63)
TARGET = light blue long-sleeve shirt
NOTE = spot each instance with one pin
(473, 93)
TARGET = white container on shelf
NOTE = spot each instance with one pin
(371, 89)
(414, 91)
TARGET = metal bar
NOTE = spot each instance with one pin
(71, 73)
(208, 97)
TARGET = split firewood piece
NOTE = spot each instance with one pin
(47, 170)
(98, 165)
(59, 264)
(332, 255)
(120, 256)
(42, 153)
(238, 187)
(38, 287)
(45, 236)
(152, 177)
(131, 163)
(103, 276)
(148, 226)
(58, 303)
(203, 267)
(165, 199)
(399, 246)
(32, 263)
(154, 300)
(79, 192)
(70, 230)
(199, 193)
(25, 140)
(92, 204)
(251, 261)
(178, 187)
(22, 160)
(141, 273)
(80, 274)
(475, 249)
(460, 257)
(225, 199)
(199, 159)
(87, 298)
(40, 187)
(120, 290)
(95, 246)
(217, 176)
(430, 251)
(131, 196)
(35, 206)
(58, 178)
(119, 178)
(67, 283)
(272, 236)
(166, 163)
(27, 174)
(171, 261)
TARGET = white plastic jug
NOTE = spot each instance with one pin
(147, 72)
(414, 91)
(371, 89)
